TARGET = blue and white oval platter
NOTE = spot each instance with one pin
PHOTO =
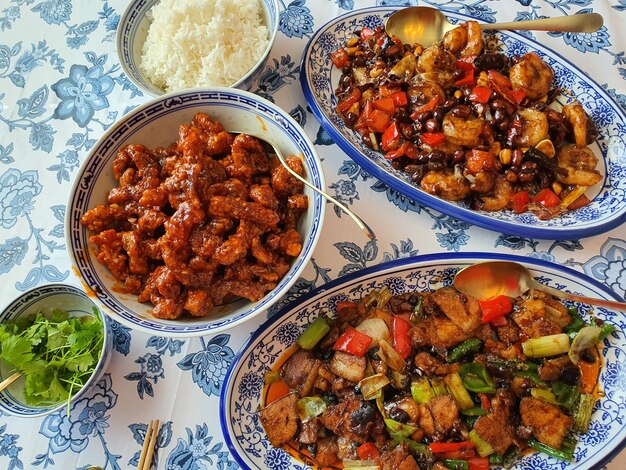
(608, 207)
(242, 392)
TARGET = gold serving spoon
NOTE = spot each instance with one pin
(362, 225)
(427, 25)
(492, 278)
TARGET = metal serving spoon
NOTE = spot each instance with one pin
(362, 225)
(427, 25)
(492, 278)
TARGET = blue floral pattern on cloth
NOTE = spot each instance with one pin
(10, 449)
(197, 453)
(164, 436)
(208, 367)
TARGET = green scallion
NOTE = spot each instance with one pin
(314, 333)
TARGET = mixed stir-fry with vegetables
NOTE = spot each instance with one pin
(436, 380)
(467, 124)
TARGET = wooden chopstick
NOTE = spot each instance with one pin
(147, 451)
(9, 380)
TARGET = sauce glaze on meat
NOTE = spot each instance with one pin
(209, 219)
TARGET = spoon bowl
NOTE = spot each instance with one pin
(493, 278)
(427, 25)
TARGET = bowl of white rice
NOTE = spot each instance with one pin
(171, 45)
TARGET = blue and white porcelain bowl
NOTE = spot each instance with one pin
(133, 30)
(608, 207)
(156, 124)
(243, 388)
(45, 299)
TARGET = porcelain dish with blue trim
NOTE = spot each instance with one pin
(243, 391)
(155, 124)
(46, 298)
(319, 78)
(133, 30)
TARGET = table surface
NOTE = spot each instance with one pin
(61, 87)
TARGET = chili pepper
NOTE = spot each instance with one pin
(366, 33)
(495, 308)
(433, 139)
(401, 341)
(546, 198)
(478, 463)
(349, 100)
(378, 120)
(453, 450)
(430, 106)
(479, 160)
(367, 451)
(485, 402)
(467, 80)
(467, 347)
(520, 201)
(582, 201)
(480, 94)
(390, 139)
(385, 104)
(400, 98)
(353, 342)
(399, 152)
(339, 57)
(499, 79)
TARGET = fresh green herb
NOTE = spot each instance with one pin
(56, 353)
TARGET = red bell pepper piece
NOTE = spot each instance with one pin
(480, 94)
(479, 160)
(397, 153)
(433, 139)
(466, 63)
(349, 100)
(453, 450)
(468, 80)
(582, 201)
(367, 451)
(339, 57)
(378, 121)
(503, 86)
(499, 79)
(520, 202)
(366, 33)
(385, 104)
(390, 139)
(478, 463)
(516, 96)
(353, 342)
(485, 401)
(547, 198)
(401, 341)
(400, 98)
(430, 106)
(495, 308)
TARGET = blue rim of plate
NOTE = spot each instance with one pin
(77, 235)
(390, 265)
(482, 219)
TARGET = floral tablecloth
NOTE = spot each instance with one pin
(61, 87)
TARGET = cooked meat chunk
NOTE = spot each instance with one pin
(498, 434)
(300, 371)
(347, 366)
(280, 420)
(437, 332)
(351, 418)
(327, 449)
(546, 421)
(309, 431)
(397, 459)
(430, 365)
(445, 413)
(463, 310)
(551, 369)
(532, 319)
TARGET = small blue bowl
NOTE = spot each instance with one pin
(45, 299)
(133, 30)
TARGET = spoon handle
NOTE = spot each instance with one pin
(583, 23)
(585, 300)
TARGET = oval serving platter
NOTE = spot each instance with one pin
(607, 210)
(243, 388)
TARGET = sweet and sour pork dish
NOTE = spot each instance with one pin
(436, 380)
(467, 124)
(207, 220)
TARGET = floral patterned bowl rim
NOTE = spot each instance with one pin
(153, 124)
(46, 298)
(242, 391)
(319, 78)
(133, 29)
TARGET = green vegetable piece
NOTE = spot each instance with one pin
(561, 454)
(476, 378)
(607, 329)
(421, 391)
(582, 416)
(467, 347)
(567, 396)
(545, 346)
(545, 395)
(482, 447)
(418, 310)
(397, 429)
(496, 459)
(314, 333)
(456, 464)
(310, 407)
(475, 411)
(455, 386)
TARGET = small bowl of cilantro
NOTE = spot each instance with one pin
(58, 341)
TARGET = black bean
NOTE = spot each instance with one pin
(490, 60)
(528, 167)
(393, 50)
(516, 157)
(345, 81)
(436, 166)
(498, 115)
(330, 398)
(423, 156)
(418, 127)
(359, 61)
(419, 173)
(450, 103)
(424, 116)
(364, 414)
(461, 111)
(436, 156)
(504, 124)
(351, 119)
(525, 177)
(498, 104)
(398, 414)
(458, 156)
(588, 356)
(438, 113)
(432, 125)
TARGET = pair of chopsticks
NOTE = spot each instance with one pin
(9, 380)
(145, 459)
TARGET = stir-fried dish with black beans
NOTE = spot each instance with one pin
(467, 124)
(436, 380)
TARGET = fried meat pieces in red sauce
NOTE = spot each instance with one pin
(504, 412)
(197, 224)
